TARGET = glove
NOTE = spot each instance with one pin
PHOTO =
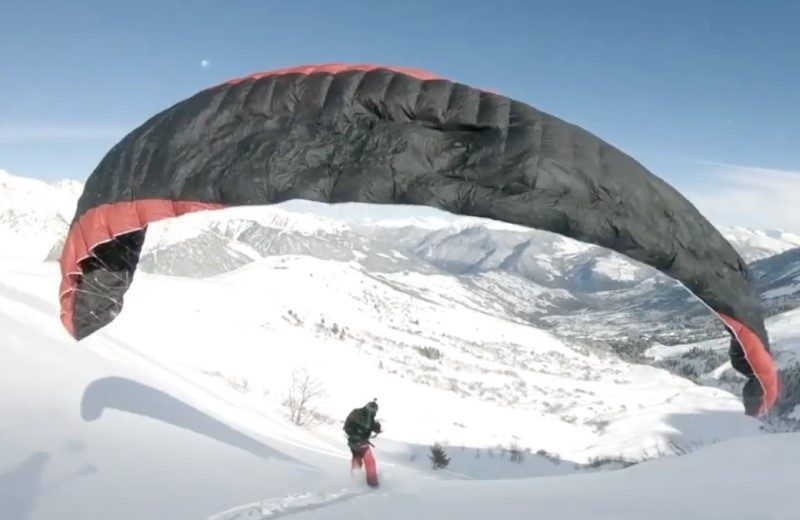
(376, 427)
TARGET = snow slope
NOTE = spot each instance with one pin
(132, 423)
(700, 485)
(58, 459)
(407, 338)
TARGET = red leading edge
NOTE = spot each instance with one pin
(759, 359)
(335, 68)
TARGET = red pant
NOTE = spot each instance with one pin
(362, 457)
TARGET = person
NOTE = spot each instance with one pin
(359, 427)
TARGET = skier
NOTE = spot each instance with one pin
(359, 427)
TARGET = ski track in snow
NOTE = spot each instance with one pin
(282, 507)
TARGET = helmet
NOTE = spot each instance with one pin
(372, 406)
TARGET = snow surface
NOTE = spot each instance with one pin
(702, 485)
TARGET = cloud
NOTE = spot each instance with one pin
(749, 196)
(18, 133)
(205, 64)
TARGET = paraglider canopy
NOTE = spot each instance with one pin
(392, 135)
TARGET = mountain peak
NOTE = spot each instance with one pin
(757, 244)
(34, 214)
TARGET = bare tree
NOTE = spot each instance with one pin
(304, 393)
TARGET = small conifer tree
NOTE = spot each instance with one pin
(439, 458)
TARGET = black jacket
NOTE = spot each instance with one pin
(359, 426)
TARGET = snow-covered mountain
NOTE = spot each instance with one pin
(778, 280)
(578, 291)
(758, 244)
(27, 204)
(34, 215)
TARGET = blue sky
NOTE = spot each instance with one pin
(705, 93)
